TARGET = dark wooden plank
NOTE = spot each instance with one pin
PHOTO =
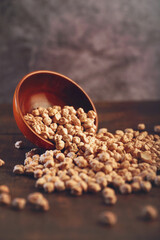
(7, 122)
(128, 114)
(76, 217)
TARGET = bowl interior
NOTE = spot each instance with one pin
(49, 88)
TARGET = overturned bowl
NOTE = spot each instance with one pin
(46, 88)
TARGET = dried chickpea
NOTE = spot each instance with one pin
(93, 187)
(49, 164)
(83, 185)
(151, 176)
(125, 188)
(70, 183)
(4, 189)
(81, 162)
(40, 182)
(141, 126)
(60, 157)
(149, 213)
(108, 218)
(19, 145)
(157, 181)
(48, 187)
(145, 186)
(157, 128)
(18, 203)
(145, 156)
(110, 198)
(102, 181)
(5, 199)
(107, 191)
(59, 185)
(18, 169)
(135, 186)
(76, 190)
(38, 201)
(38, 173)
(92, 114)
(2, 163)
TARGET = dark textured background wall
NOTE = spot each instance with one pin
(110, 48)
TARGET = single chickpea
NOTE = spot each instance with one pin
(108, 218)
(149, 213)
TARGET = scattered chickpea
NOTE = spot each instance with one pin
(102, 181)
(49, 164)
(83, 185)
(93, 187)
(2, 162)
(151, 176)
(38, 201)
(76, 190)
(59, 185)
(157, 181)
(149, 213)
(108, 218)
(145, 156)
(48, 187)
(107, 191)
(92, 114)
(5, 199)
(18, 169)
(125, 188)
(32, 152)
(19, 145)
(135, 187)
(40, 182)
(70, 183)
(145, 186)
(109, 196)
(81, 162)
(60, 157)
(157, 128)
(4, 189)
(60, 144)
(141, 126)
(18, 203)
(38, 173)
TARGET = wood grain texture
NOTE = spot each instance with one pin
(76, 217)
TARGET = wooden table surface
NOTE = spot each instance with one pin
(76, 217)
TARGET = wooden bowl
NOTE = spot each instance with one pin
(46, 88)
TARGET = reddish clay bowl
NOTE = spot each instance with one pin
(46, 88)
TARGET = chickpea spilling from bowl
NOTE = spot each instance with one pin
(64, 126)
(85, 161)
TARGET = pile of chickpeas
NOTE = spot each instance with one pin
(85, 161)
